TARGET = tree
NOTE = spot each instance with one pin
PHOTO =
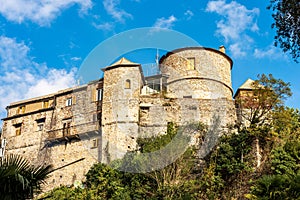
(286, 123)
(175, 181)
(170, 168)
(104, 182)
(283, 176)
(276, 187)
(168, 160)
(268, 94)
(20, 180)
(287, 19)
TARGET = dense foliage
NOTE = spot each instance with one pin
(229, 171)
(286, 14)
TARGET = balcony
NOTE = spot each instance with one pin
(72, 133)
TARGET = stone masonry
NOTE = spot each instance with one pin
(99, 122)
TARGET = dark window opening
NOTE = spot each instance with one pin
(66, 129)
(127, 84)
(41, 120)
(18, 129)
(40, 127)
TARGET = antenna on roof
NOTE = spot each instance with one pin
(157, 57)
(157, 61)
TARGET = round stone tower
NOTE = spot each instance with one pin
(197, 72)
(200, 77)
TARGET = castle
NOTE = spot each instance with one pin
(100, 121)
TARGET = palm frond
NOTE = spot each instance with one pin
(19, 179)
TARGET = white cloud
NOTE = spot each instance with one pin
(55, 80)
(165, 23)
(270, 52)
(106, 26)
(189, 14)
(76, 58)
(236, 21)
(236, 50)
(237, 18)
(41, 12)
(22, 78)
(111, 7)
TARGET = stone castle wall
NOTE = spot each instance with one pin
(182, 111)
(69, 148)
(92, 130)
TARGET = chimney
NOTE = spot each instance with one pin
(222, 49)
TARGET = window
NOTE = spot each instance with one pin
(191, 63)
(45, 104)
(3, 143)
(127, 84)
(94, 143)
(145, 108)
(40, 124)
(97, 117)
(21, 110)
(41, 120)
(66, 128)
(99, 94)
(18, 129)
(94, 117)
(69, 102)
(40, 127)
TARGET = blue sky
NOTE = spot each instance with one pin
(43, 43)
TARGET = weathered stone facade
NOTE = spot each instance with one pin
(58, 129)
(100, 121)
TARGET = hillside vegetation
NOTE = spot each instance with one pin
(260, 160)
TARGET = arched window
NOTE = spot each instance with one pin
(127, 84)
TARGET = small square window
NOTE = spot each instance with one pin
(40, 127)
(69, 102)
(94, 143)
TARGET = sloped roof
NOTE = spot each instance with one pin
(122, 62)
(247, 85)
